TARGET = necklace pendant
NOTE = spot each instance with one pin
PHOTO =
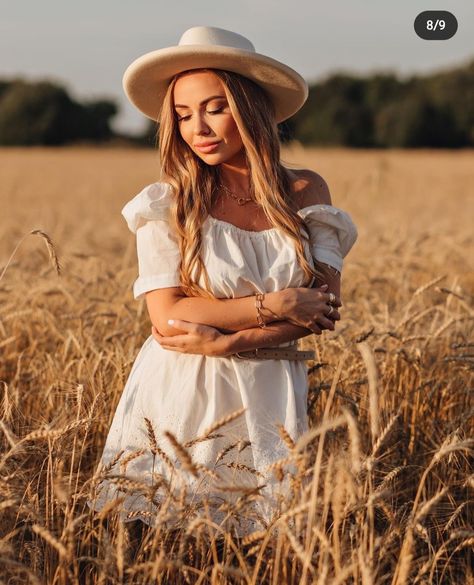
(241, 201)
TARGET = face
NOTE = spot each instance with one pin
(204, 116)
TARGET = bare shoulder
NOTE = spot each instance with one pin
(309, 188)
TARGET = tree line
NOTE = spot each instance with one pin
(383, 111)
(377, 111)
(43, 113)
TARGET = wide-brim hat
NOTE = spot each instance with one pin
(146, 79)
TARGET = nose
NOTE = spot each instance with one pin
(200, 125)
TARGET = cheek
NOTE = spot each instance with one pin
(185, 135)
(233, 132)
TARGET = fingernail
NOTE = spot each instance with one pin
(170, 321)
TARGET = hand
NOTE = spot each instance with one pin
(309, 307)
(198, 339)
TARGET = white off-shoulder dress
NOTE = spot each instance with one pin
(187, 393)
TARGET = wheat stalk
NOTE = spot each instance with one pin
(240, 444)
(154, 447)
(130, 457)
(50, 539)
(49, 245)
(183, 455)
(215, 426)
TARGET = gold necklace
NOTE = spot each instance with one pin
(240, 200)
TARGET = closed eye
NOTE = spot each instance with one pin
(211, 112)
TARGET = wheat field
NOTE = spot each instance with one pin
(383, 488)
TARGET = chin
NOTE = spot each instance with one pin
(211, 159)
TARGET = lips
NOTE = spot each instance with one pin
(207, 146)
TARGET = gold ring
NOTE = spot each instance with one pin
(332, 298)
(331, 309)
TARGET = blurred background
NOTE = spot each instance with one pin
(373, 82)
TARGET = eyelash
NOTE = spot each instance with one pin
(213, 112)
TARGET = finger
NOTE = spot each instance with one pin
(172, 348)
(315, 329)
(334, 316)
(184, 325)
(162, 340)
(174, 340)
(336, 303)
(326, 296)
(326, 323)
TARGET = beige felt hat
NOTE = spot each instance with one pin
(146, 79)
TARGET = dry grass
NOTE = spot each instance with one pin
(382, 484)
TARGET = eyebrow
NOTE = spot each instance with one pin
(213, 97)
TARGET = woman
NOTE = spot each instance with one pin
(229, 243)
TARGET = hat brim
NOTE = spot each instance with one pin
(145, 81)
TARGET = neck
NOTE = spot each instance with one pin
(235, 174)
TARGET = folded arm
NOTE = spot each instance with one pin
(272, 335)
(234, 317)
(278, 332)
(227, 315)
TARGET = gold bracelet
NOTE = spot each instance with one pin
(258, 304)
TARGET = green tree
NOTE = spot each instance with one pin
(43, 113)
(416, 121)
(382, 111)
(335, 113)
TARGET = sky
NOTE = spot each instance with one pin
(87, 45)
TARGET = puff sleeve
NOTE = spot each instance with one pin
(157, 247)
(332, 233)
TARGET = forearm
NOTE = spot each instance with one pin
(280, 331)
(239, 314)
(273, 334)
(227, 315)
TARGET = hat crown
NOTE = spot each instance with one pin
(214, 36)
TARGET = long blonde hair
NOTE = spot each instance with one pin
(194, 181)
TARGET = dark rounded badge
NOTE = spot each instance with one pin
(435, 25)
